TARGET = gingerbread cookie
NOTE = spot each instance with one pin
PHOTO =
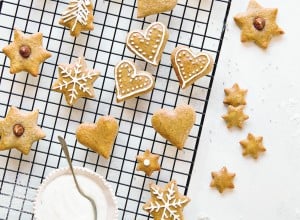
(146, 7)
(222, 180)
(148, 162)
(166, 203)
(235, 116)
(174, 125)
(75, 81)
(78, 17)
(189, 66)
(100, 137)
(235, 96)
(258, 24)
(19, 130)
(26, 53)
(130, 82)
(150, 43)
(253, 146)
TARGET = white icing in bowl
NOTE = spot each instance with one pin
(58, 198)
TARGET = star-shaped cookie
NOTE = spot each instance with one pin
(148, 162)
(75, 81)
(166, 203)
(26, 53)
(235, 96)
(258, 24)
(252, 146)
(235, 116)
(222, 180)
(19, 130)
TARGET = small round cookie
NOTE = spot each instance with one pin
(78, 17)
(26, 53)
(99, 137)
(189, 67)
(130, 82)
(148, 44)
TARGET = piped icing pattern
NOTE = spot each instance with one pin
(130, 82)
(148, 44)
(189, 67)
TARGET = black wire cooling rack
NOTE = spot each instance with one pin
(199, 24)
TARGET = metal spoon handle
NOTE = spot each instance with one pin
(67, 154)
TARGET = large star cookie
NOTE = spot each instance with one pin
(26, 53)
(19, 130)
(253, 146)
(258, 24)
(78, 17)
(75, 81)
(222, 180)
(166, 203)
(148, 162)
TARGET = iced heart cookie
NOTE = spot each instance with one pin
(19, 130)
(78, 17)
(75, 81)
(146, 7)
(174, 125)
(26, 53)
(100, 137)
(130, 82)
(150, 43)
(189, 66)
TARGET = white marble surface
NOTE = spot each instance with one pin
(267, 188)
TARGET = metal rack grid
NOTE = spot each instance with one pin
(199, 24)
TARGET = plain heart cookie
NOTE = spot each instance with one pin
(189, 66)
(174, 125)
(146, 7)
(130, 82)
(150, 43)
(99, 137)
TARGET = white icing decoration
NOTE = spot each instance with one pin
(145, 34)
(134, 75)
(146, 162)
(203, 68)
(78, 11)
(169, 203)
(75, 80)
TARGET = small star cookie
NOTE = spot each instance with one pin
(258, 24)
(235, 116)
(26, 53)
(75, 81)
(235, 96)
(166, 203)
(19, 130)
(222, 180)
(252, 146)
(148, 163)
(78, 17)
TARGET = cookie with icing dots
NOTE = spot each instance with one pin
(148, 44)
(78, 17)
(130, 82)
(189, 66)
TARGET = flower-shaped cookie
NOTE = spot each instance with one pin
(148, 162)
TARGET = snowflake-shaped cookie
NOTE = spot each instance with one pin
(167, 203)
(75, 81)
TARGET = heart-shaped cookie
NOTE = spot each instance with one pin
(150, 43)
(174, 125)
(190, 67)
(146, 7)
(130, 82)
(99, 137)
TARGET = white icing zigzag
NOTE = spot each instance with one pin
(77, 10)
